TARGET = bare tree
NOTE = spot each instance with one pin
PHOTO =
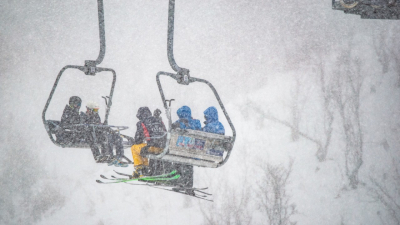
(387, 191)
(395, 53)
(382, 51)
(267, 115)
(348, 81)
(273, 199)
(296, 116)
(232, 209)
(388, 51)
(328, 111)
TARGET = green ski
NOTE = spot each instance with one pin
(163, 177)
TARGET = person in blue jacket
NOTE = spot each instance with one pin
(212, 125)
(185, 120)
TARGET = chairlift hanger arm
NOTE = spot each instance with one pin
(90, 64)
(170, 41)
(102, 34)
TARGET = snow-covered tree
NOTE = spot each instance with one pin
(273, 198)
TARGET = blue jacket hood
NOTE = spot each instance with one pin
(212, 123)
(184, 112)
(211, 114)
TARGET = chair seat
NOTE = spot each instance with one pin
(196, 148)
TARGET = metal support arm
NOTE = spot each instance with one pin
(90, 64)
(170, 41)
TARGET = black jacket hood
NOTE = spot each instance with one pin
(143, 113)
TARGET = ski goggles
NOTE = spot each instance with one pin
(76, 105)
(96, 110)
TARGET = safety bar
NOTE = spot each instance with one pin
(95, 125)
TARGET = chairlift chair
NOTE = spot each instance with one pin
(191, 147)
(90, 68)
(370, 9)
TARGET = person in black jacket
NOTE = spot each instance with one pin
(95, 135)
(92, 114)
(71, 111)
(150, 131)
(103, 136)
(70, 134)
(157, 115)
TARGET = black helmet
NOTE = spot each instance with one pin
(157, 113)
(75, 100)
(143, 113)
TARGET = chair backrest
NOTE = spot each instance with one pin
(197, 147)
(53, 125)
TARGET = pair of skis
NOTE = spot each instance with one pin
(158, 182)
(163, 177)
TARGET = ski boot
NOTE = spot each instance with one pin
(98, 158)
(104, 159)
(117, 163)
(184, 191)
(120, 164)
(190, 192)
(140, 171)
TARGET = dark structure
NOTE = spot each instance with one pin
(370, 9)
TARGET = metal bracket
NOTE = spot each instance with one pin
(183, 76)
(107, 100)
(90, 67)
(169, 101)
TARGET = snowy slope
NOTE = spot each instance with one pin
(264, 58)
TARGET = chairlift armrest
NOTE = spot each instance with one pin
(165, 150)
(180, 131)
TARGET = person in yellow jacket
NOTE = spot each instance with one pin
(150, 131)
